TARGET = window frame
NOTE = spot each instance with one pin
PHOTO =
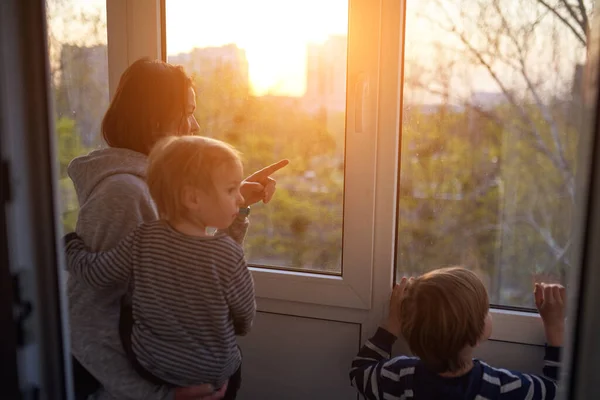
(353, 288)
(371, 169)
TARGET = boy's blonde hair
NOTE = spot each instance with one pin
(177, 162)
(441, 313)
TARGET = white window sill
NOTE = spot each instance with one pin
(517, 327)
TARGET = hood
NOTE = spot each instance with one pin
(88, 171)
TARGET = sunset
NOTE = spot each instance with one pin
(260, 199)
(273, 33)
(274, 36)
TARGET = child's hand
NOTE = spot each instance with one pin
(550, 301)
(392, 323)
(260, 186)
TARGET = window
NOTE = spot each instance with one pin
(79, 80)
(270, 91)
(492, 113)
(271, 80)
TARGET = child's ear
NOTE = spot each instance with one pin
(191, 198)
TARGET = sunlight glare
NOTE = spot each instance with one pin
(274, 34)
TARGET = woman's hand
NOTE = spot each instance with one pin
(202, 392)
(260, 186)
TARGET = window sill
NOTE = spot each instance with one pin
(517, 327)
(307, 287)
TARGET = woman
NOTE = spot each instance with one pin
(154, 99)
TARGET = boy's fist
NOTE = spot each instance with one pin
(550, 300)
(392, 324)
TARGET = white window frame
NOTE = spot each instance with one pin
(134, 30)
(375, 58)
(353, 289)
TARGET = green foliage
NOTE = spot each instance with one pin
(478, 193)
(448, 197)
(469, 186)
(474, 190)
(68, 143)
(301, 227)
(69, 146)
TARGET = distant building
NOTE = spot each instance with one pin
(82, 89)
(488, 100)
(202, 61)
(326, 66)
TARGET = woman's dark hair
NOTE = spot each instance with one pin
(150, 100)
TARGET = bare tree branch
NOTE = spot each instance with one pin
(565, 21)
(558, 251)
(557, 161)
(505, 46)
(571, 11)
(585, 23)
(509, 125)
(546, 114)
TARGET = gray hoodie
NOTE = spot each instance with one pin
(113, 200)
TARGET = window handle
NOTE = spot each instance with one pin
(361, 90)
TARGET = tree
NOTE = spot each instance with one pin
(78, 65)
(448, 209)
(528, 49)
(302, 227)
(69, 146)
(79, 83)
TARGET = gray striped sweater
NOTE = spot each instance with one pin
(191, 296)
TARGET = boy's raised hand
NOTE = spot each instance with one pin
(550, 300)
(260, 186)
(392, 323)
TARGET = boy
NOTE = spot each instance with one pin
(192, 292)
(444, 315)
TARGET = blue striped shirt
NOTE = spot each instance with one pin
(377, 376)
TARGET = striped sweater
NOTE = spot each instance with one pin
(376, 376)
(190, 297)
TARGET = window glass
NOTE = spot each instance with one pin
(492, 114)
(79, 83)
(270, 78)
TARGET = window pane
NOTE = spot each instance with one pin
(79, 79)
(491, 121)
(271, 80)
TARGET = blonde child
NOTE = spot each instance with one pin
(444, 315)
(191, 292)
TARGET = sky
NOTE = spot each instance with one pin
(275, 34)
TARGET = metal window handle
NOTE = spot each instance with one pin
(361, 90)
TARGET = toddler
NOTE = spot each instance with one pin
(192, 292)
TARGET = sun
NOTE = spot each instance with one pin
(273, 33)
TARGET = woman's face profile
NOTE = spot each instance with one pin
(185, 124)
(189, 125)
